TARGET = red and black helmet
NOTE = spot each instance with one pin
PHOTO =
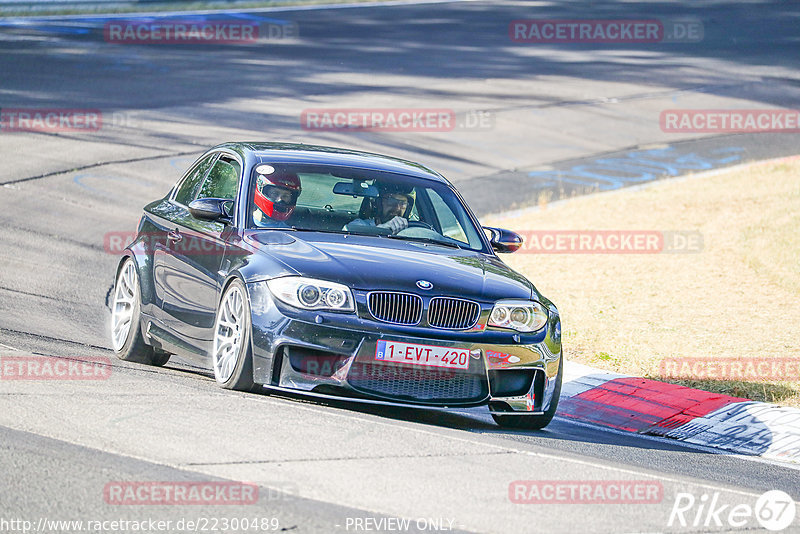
(271, 185)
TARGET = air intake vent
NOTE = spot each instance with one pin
(397, 308)
(417, 384)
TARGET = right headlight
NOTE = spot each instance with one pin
(311, 294)
(519, 315)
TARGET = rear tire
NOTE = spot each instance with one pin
(534, 422)
(126, 328)
(231, 354)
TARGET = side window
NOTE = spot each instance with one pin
(188, 189)
(451, 227)
(223, 180)
(413, 215)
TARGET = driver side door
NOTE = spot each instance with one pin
(195, 252)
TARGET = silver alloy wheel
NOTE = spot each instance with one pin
(228, 333)
(125, 294)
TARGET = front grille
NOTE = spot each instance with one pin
(416, 384)
(456, 314)
(398, 308)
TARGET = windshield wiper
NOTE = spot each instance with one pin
(450, 244)
(298, 229)
(343, 232)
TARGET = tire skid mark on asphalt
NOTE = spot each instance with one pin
(79, 178)
(346, 459)
(38, 264)
(117, 366)
(177, 369)
(28, 294)
(51, 338)
(54, 237)
(91, 360)
(82, 138)
(99, 164)
(623, 98)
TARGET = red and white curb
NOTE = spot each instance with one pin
(690, 415)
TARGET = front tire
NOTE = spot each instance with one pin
(126, 325)
(231, 353)
(534, 422)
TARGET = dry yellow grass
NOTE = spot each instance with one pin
(737, 298)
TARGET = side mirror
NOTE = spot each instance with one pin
(212, 209)
(504, 240)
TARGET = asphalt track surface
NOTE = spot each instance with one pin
(556, 111)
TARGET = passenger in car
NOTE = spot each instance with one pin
(275, 197)
(389, 210)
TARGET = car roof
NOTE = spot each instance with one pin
(325, 155)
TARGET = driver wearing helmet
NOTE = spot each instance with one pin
(275, 197)
(389, 210)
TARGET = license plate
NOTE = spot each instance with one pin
(427, 355)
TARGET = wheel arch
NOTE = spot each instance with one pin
(143, 263)
(229, 279)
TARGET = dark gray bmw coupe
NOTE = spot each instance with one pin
(338, 273)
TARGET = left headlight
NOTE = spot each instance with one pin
(519, 315)
(311, 294)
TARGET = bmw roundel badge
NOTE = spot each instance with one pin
(424, 284)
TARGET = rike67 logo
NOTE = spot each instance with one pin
(774, 510)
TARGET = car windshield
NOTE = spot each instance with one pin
(358, 201)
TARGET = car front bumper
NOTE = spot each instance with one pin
(334, 354)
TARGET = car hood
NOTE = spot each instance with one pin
(373, 263)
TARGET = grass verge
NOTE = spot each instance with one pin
(738, 298)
